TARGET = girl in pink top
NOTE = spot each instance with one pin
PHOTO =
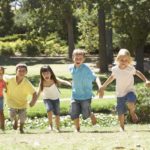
(2, 86)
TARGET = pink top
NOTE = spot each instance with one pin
(2, 86)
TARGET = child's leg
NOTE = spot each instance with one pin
(93, 119)
(131, 107)
(13, 117)
(22, 118)
(75, 112)
(2, 120)
(57, 121)
(121, 119)
(77, 124)
(50, 119)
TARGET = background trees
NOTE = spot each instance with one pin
(99, 27)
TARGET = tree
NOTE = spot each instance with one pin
(6, 18)
(132, 22)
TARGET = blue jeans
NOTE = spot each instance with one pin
(121, 102)
(1, 103)
(52, 105)
(80, 107)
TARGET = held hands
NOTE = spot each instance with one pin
(32, 103)
(147, 83)
(101, 92)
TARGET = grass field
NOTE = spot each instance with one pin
(108, 138)
(90, 138)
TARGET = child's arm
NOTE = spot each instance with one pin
(98, 82)
(63, 82)
(105, 84)
(34, 99)
(143, 78)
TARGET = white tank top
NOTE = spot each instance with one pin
(51, 92)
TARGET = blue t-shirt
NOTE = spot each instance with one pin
(82, 79)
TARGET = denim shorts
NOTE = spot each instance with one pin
(20, 112)
(52, 105)
(1, 103)
(80, 107)
(121, 102)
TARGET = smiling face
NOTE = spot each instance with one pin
(78, 59)
(46, 75)
(21, 72)
(123, 61)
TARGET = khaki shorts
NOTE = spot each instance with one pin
(17, 113)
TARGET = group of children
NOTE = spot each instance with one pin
(18, 88)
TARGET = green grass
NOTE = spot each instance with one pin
(92, 138)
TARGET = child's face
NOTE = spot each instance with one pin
(123, 61)
(21, 72)
(46, 75)
(78, 59)
(1, 74)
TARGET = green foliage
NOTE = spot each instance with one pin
(6, 49)
(30, 48)
(54, 45)
(87, 26)
(143, 104)
(6, 17)
(12, 38)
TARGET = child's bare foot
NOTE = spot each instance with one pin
(77, 130)
(135, 118)
(15, 125)
(122, 129)
(21, 131)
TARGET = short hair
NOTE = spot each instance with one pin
(21, 65)
(2, 68)
(79, 52)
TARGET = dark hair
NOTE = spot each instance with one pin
(21, 65)
(46, 68)
(2, 68)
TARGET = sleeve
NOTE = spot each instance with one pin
(71, 68)
(30, 87)
(113, 70)
(90, 74)
(133, 70)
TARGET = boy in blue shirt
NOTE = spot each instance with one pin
(82, 79)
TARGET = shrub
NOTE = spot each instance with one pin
(143, 104)
(29, 48)
(12, 38)
(6, 50)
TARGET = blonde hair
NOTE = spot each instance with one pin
(124, 52)
(79, 52)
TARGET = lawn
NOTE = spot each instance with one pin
(92, 138)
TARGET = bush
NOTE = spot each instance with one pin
(12, 38)
(6, 50)
(29, 48)
(143, 105)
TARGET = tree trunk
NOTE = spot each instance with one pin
(69, 21)
(139, 57)
(102, 41)
(109, 33)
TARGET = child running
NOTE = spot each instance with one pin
(2, 86)
(124, 72)
(82, 79)
(18, 89)
(51, 94)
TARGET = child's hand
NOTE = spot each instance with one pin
(101, 92)
(147, 83)
(31, 104)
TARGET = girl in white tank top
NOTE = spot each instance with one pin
(51, 94)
